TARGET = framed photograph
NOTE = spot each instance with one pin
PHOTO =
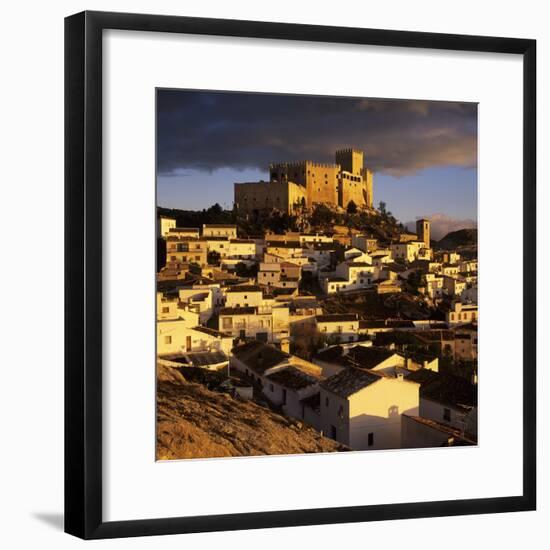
(279, 239)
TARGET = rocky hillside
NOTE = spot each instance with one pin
(194, 422)
(456, 239)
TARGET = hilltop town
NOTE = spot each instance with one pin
(310, 311)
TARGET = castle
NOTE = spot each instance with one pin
(295, 185)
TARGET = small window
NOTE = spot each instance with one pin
(271, 388)
(447, 415)
(333, 432)
(167, 339)
(165, 309)
(326, 401)
(341, 411)
(370, 441)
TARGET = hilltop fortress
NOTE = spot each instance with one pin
(294, 185)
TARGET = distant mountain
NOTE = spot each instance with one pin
(455, 239)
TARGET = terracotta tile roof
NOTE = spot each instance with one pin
(258, 356)
(244, 288)
(336, 318)
(349, 381)
(237, 310)
(447, 389)
(292, 378)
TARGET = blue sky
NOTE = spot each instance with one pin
(424, 154)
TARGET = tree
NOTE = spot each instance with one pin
(322, 215)
(215, 210)
(213, 257)
(195, 268)
(415, 280)
(382, 207)
(307, 341)
(352, 208)
(242, 270)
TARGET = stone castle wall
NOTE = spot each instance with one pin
(260, 196)
(332, 184)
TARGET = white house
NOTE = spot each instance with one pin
(314, 238)
(269, 274)
(357, 255)
(164, 224)
(338, 327)
(243, 296)
(258, 360)
(349, 275)
(320, 252)
(367, 243)
(184, 232)
(447, 399)
(219, 230)
(242, 249)
(174, 336)
(418, 432)
(288, 387)
(362, 409)
(460, 313)
(408, 251)
(198, 300)
(434, 285)
(264, 323)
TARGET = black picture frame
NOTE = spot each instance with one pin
(83, 273)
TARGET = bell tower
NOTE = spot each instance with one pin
(423, 231)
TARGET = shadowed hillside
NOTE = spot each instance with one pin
(456, 239)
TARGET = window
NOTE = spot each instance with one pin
(227, 322)
(341, 411)
(284, 397)
(165, 309)
(167, 339)
(370, 439)
(333, 432)
(447, 415)
(271, 388)
(326, 401)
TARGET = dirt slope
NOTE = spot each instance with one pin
(193, 422)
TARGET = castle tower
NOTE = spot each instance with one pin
(350, 160)
(367, 182)
(423, 231)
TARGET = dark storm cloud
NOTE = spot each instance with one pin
(211, 130)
